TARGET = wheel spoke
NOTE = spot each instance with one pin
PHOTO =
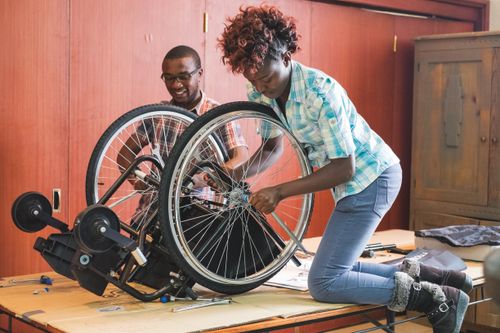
(135, 134)
(230, 244)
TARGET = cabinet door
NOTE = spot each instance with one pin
(451, 125)
(34, 117)
(494, 175)
(117, 48)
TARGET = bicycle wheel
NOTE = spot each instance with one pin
(222, 242)
(150, 130)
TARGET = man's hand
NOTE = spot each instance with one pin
(200, 180)
(137, 183)
(235, 176)
(266, 199)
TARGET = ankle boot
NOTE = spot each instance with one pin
(421, 272)
(444, 306)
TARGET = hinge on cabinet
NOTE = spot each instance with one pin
(418, 67)
(395, 43)
(205, 22)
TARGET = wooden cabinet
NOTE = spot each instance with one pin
(455, 127)
(483, 317)
(455, 153)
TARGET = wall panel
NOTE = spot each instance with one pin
(355, 47)
(34, 118)
(117, 48)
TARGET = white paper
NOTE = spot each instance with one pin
(291, 276)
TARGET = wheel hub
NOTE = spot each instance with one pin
(238, 196)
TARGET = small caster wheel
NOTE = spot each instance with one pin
(27, 209)
(90, 225)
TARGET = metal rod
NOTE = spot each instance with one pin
(391, 325)
(291, 234)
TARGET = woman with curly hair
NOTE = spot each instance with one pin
(352, 159)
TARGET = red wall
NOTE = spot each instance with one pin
(69, 68)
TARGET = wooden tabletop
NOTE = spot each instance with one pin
(66, 307)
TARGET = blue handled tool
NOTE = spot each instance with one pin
(44, 279)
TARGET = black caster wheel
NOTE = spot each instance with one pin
(27, 209)
(90, 225)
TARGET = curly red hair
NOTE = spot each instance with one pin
(255, 34)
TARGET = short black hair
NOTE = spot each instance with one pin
(182, 51)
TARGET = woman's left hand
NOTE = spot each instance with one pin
(266, 199)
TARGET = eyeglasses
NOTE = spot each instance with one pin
(168, 78)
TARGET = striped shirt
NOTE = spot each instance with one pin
(325, 121)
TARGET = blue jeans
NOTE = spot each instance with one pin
(335, 275)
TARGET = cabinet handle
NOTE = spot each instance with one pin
(56, 200)
(483, 139)
(494, 140)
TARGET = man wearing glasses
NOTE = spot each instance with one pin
(181, 72)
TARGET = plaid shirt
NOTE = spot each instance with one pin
(231, 135)
(324, 120)
(164, 133)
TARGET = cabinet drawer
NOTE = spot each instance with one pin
(490, 223)
(429, 220)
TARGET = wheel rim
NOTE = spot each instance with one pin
(135, 207)
(224, 239)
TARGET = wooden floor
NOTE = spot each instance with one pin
(405, 327)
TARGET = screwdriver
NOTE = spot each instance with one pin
(202, 304)
(44, 279)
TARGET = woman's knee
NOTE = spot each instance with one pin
(321, 288)
(317, 291)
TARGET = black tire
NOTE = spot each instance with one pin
(134, 207)
(186, 228)
(91, 182)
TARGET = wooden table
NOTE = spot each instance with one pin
(68, 308)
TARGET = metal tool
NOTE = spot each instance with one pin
(370, 249)
(202, 304)
(291, 234)
(44, 279)
(379, 247)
